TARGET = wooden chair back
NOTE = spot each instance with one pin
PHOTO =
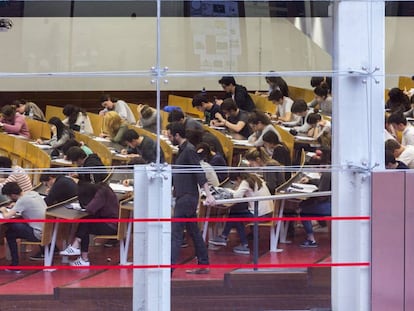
(54, 111)
(225, 142)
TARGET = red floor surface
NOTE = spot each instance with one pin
(37, 282)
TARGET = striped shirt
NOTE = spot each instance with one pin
(20, 176)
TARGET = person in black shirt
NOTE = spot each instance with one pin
(238, 93)
(187, 195)
(201, 103)
(141, 146)
(60, 188)
(89, 163)
(189, 122)
(237, 120)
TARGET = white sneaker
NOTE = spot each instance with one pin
(80, 263)
(70, 251)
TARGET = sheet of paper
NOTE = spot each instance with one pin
(121, 188)
(242, 142)
(306, 188)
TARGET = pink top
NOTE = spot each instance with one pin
(18, 127)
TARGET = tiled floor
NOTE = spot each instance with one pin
(38, 282)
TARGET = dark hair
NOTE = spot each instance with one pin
(106, 97)
(17, 103)
(321, 91)
(176, 128)
(194, 136)
(11, 188)
(389, 157)
(271, 137)
(258, 116)
(227, 80)
(75, 153)
(299, 106)
(275, 95)
(130, 135)
(72, 113)
(146, 112)
(321, 81)
(68, 144)
(5, 162)
(397, 118)
(199, 99)
(228, 105)
(8, 111)
(205, 154)
(392, 145)
(60, 127)
(137, 160)
(46, 177)
(313, 118)
(278, 83)
(175, 115)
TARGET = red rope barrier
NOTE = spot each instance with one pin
(242, 219)
(192, 266)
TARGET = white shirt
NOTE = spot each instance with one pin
(124, 111)
(407, 156)
(408, 135)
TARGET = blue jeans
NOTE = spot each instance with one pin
(186, 207)
(236, 211)
(314, 208)
(15, 231)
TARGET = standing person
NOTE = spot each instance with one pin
(110, 103)
(29, 109)
(203, 104)
(236, 92)
(13, 122)
(60, 134)
(100, 202)
(187, 196)
(30, 205)
(77, 119)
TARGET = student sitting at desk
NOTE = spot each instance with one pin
(141, 146)
(237, 120)
(260, 123)
(322, 101)
(392, 163)
(401, 153)
(29, 109)
(13, 122)
(284, 105)
(30, 205)
(114, 127)
(189, 122)
(59, 188)
(88, 163)
(215, 160)
(75, 143)
(316, 206)
(99, 201)
(275, 83)
(147, 118)
(60, 134)
(259, 158)
(399, 123)
(77, 119)
(277, 150)
(17, 174)
(302, 111)
(248, 185)
(203, 104)
(113, 104)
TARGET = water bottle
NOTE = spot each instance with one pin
(31, 113)
(82, 127)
